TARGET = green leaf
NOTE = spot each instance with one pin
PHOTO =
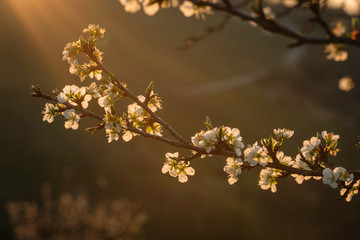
(208, 124)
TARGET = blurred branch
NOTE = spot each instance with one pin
(277, 28)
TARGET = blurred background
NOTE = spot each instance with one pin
(241, 77)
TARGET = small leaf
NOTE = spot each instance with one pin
(208, 124)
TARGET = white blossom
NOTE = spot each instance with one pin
(233, 138)
(154, 103)
(233, 168)
(49, 112)
(95, 30)
(330, 177)
(206, 139)
(74, 95)
(128, 135)
(255, 154)
(177, 168)
(267, 179)
(331, 142)
(309, 147)
(343, 174)
(170, 164)
(72, 119)
(331, 137)
(283, 133)
(184, 171)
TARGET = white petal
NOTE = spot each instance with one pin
(183, 178)
(166, 168)
(127, 136)
(190, 171)
(61, 97)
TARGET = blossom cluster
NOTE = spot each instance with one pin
(72, 50)
(308, 159)
(73, 99)
(225, 137)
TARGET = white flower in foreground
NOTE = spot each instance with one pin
(206, 139)
(233, 168)
(255, 154)
(70, 52)
(184, 170)
(72, 119)
(343, 174)
(309, 147)
(283, 133)
(74, 95)
(177, 168)
(330, 177)
(67, 93)
(267, 179)
(346, 83)
(49, 112)
(335, 52)
(233, 138)
(135, 112)
(170, 165)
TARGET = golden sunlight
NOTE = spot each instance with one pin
(43, 21)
